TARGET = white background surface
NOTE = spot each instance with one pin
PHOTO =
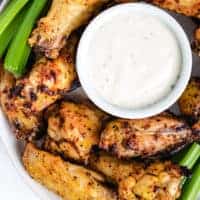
(12, 186)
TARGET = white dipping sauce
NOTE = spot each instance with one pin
(134, 60)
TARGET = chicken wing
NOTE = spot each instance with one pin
(162, 134)
(24, 100)
(64, 17)
(71, 182)
(189, 103)
(188, 8)
(73, 129)
(185, 7)
(136, 180)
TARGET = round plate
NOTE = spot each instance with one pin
(15, 148)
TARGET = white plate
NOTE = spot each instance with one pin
(14, 147)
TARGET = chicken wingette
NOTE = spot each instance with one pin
(24, 100)
(63, 17)
(71, 182)
(73, 129)
(136, 180)
(154, 136)
(189, 102)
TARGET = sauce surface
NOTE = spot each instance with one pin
(134, 60)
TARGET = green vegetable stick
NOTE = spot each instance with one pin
(19, 49)
(10, 31)
(8, 14)
(191, 156)
(192, 187)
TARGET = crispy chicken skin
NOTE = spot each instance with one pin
(154, 136)
(189, 102)
(73, 129)
(22, 120)
(185, 7)
(24, 100)
(71, 182)
(136, 180)
(63, 17)
(188, 8)
(196, 43)
(196, 127)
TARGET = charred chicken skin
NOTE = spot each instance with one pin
(63, 17)
(136, 180)
(73, 129)
(189, 103)
(24, 100)
(188, 8)
(158, 135)
(71, 182)
(196, 127)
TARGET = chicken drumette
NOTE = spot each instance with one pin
(63, 17)
(73, 129)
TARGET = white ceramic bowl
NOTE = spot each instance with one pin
(181, 83)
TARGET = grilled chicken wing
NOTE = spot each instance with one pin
(146, 137)
(64, 17)
(22, 120)
(196, 127)
(136, 180)
(185, 7)
(24, 100)
(71, 182)
(73, 129)
(189, 103)
(188, 8)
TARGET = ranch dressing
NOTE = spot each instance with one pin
(134, 60)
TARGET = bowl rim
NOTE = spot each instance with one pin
(164, 103)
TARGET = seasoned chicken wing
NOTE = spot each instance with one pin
(71, 182)
(188, 8)
(136, 180)
(63, 17)
(146, 137)
(24, 100)
(189, 103)
(73, 129)
(185, 7)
